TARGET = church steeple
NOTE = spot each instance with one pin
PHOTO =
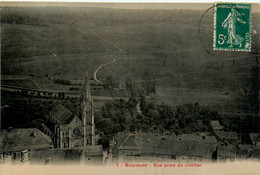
(88, 115)
(86, 93)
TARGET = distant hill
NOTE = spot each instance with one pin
(161, 45)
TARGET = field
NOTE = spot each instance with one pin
(159, 45)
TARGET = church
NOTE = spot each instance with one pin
(69, 130)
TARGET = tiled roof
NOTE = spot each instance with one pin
(226, 151)
(227, 135)
(66, 154)
(255, 137)
(61, 114)
(244, 151)
(158, 144)
(215, 124)
(129, 142)
(23, 139)
(205, 137)
(180, 148)
(96, 150)
(256, 151)
(56, 155)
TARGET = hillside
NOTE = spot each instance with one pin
(160, 45)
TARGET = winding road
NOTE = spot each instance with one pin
(105, 64)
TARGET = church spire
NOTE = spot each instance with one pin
(88, 115)
(86, 93)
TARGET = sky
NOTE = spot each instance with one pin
(195, 6)
(146, 1)
(125, 5)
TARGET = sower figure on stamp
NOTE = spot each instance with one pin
(230, 23)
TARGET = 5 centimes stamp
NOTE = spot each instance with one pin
(232, 27)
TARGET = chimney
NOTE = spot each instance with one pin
(34, 133)
(24, 156)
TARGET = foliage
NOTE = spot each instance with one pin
(61, 81)
(121, 115)
(26, 112)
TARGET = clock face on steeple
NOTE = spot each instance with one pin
(88, 107)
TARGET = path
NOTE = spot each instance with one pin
(105, 64)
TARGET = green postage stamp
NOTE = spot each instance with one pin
(232, 27)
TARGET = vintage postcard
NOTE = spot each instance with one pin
(130, 88)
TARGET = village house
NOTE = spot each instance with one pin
(150, 146)
(228, 137)
(254, 138)
(244, 151)
(251, 150)
(17, 143)
(256, 152)
(226, 153)
(88, 155)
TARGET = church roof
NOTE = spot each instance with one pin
(61, 114)
(13, 140)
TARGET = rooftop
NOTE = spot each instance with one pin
(201, 145)
(13, 140)
(255, 138)
(226, 151)
(56, 155)
(96, 150)
(230, 135)
(215, 124)
(66, 154)
(61, 114)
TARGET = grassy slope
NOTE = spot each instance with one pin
(156, 44)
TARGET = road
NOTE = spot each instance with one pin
(112, 56)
